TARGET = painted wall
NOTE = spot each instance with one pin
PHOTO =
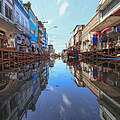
(33, 27)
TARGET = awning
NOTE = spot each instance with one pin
(106, 30)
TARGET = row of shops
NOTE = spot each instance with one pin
(102, 33)
(20, 28)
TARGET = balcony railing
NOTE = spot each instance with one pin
(110, 7)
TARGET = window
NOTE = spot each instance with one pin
(33, 31)
(22, 21)
(33, 20)
(26, 25)
(0, 6)
(17, 17)
(8, 12)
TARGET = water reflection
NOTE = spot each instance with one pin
(20, 88)
(103, 79)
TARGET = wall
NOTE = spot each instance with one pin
(33, 26)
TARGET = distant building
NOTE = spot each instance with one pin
(40, 35)
(78, 36)
(50, 47)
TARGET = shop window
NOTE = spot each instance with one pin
(8, 12)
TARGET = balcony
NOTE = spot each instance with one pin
(103, 4)
(113, 6)
(21, 28)
(6, 19)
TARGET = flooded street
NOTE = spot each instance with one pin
(57, 90)
(63, 100)
(60, 60)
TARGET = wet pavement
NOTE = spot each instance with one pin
(61, 90)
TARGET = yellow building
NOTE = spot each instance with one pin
(87, 35)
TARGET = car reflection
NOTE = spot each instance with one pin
(103, 79)
(20, 88)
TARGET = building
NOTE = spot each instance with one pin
(40, 36)
(46, 39)
(6, 16)
(87, 35)
(7, 27)
(51, 50)
(21, 21)
(109, 24)
(14, 23)
(33, 24)
(78, 36)
(21, 17)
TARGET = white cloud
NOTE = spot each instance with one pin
(58, 2)
(63, 8)
(66, 100)
(54, 37)
(51, 88)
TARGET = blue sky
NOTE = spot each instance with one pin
(65, 14)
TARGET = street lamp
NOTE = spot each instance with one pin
(53, 27)
(45, 22)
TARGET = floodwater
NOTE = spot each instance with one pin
(61, 90)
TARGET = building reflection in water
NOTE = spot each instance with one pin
(20, 89)
(103, 79)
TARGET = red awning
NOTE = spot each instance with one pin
(106, 30)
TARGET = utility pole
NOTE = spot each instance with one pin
(66, 45)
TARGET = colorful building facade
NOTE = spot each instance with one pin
(33, 25)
